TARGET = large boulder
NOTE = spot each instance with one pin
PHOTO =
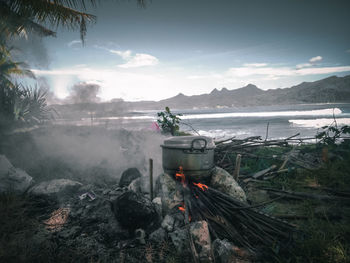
(222, 181)
(134, 210)
(13, 179)
(128, 176)
(56, 187)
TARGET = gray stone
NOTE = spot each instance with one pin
(56, 187)
(201, 239)
(179, 238)
(166, 189)
(224, 252)
(135, 185)
(222, 181)
(140, 235)
(158, 236)
(13, 179)
(168, 223)
(158, 203)
(128, 176)
(140, 185)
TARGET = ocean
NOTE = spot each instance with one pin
(282, 121)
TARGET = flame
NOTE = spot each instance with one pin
(201, 186)
(180, 175)
(182, 208)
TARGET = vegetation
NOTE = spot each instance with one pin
(325, 225)
(169, 122)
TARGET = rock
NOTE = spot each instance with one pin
(224, 251)
(201, 239)
(158, 203)
(56, 187)
(140, 235)
(13, 179)
(128, 176)
(222, 181)
(140, 185)
(168, 223)
(166, 190)
(135, 185)
(180, 240)
(134, 210)
(158, 236)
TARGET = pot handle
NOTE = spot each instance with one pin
(199, 139)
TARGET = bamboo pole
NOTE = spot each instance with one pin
(151, 178)
(237, 167)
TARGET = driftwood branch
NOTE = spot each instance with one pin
(260, 173)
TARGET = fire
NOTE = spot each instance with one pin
(182, 208)
(180, 175)
(201, 186)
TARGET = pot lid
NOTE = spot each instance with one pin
(189, 142)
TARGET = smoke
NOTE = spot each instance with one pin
(30, 50)
(84, 92)
(86, 154)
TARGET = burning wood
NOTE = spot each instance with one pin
(230, 218)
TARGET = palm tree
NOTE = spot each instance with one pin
(20, 16)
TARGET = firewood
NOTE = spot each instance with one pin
(260, 173)
(302, 195)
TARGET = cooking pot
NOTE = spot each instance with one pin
(194, 153)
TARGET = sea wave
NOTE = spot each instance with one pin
(221, 134)
(318, 123)
(323, 112)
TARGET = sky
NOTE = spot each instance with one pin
(195, 46)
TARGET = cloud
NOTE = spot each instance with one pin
(348, 51)
(303, 65)
(315, 59)
(140, 60)
(257, 65)
(312, 62)
(124, 54)
(137, 60)
(74, 42)
(283, 71)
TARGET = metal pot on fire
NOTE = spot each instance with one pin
(194, 153)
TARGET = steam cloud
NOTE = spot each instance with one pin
(84, 92)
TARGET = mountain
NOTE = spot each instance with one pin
(331, 89)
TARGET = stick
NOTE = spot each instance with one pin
(303, 196)
(260, 173)
(303, 217)
(237, 167)
(267, 130)
(151, 178)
